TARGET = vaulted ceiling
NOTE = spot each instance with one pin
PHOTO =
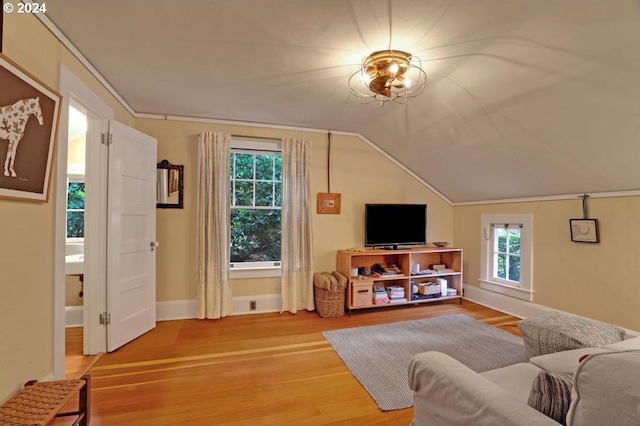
(524, 98)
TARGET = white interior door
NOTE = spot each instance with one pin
(131, 257)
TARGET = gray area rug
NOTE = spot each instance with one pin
(379, 355)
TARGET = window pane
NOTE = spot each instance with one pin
(244, 194)
(278, 196)
(264, 193)
(255, 235)
(75, 195)
(264, 167)
(75, 224)
(278, 168)
(501, 271)
(243, 166)
(514, 241)
(501, 236)
(514, 268)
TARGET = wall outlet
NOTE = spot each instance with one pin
(252, 305)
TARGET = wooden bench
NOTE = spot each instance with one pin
(40, 402)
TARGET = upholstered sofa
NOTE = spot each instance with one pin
(604, 389)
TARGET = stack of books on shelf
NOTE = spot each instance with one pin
(396, 294)
(387, 270)
(380, 295)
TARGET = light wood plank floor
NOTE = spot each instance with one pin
(75, 364)
(265, 369)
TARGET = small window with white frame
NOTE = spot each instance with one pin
(506, 254)
(256, 200)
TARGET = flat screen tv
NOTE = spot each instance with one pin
(393, 225)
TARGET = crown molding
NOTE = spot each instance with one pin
(80, 57)
(609, 194)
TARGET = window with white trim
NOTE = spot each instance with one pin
(256, 199)
(506, 254)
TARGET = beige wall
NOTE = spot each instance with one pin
(359, 173)
(26, 252)
(76, 150)
(600, 281)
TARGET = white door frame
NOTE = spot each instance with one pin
(69, 87)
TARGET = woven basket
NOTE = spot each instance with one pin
(329, 304)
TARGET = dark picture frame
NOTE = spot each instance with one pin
(29, 117)
(170, 186)
(584, 230)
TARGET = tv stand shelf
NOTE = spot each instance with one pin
(360, 288)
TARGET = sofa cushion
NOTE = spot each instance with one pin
(565, 361)
(448, 393)
(514, 379)
(556, 331)
(606, 390)
(551, 394)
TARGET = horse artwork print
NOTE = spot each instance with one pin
(29, 117)
(13, 121)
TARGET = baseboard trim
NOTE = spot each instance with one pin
(509, 305)
(512, 306)
(264, 303)
(73, 316)
(176, 309)
(186, 309)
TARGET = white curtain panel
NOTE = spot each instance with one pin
(297, 256)
(212, 264)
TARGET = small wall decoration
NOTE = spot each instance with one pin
(29, 115)
(584, 230)
(328, 202)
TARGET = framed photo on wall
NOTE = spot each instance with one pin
(29, 116)
(584, 230)
(328, 203)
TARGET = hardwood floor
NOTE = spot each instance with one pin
(76, 364)
(266, 369)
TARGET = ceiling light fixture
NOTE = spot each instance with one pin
(388, 76)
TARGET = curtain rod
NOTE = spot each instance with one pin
(256, 137)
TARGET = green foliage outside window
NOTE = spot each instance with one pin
(256, 196)
(255, 235)
(508, 253)
(75, 210)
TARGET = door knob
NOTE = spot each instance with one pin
(154, 245)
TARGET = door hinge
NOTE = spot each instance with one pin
(107, 138)
(105, 318)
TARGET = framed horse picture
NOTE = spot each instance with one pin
(29, 115)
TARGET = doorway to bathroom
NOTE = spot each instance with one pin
(76, 363)
(118, 258)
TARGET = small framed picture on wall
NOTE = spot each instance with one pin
(584, 230)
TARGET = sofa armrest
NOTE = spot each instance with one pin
(449, 393)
